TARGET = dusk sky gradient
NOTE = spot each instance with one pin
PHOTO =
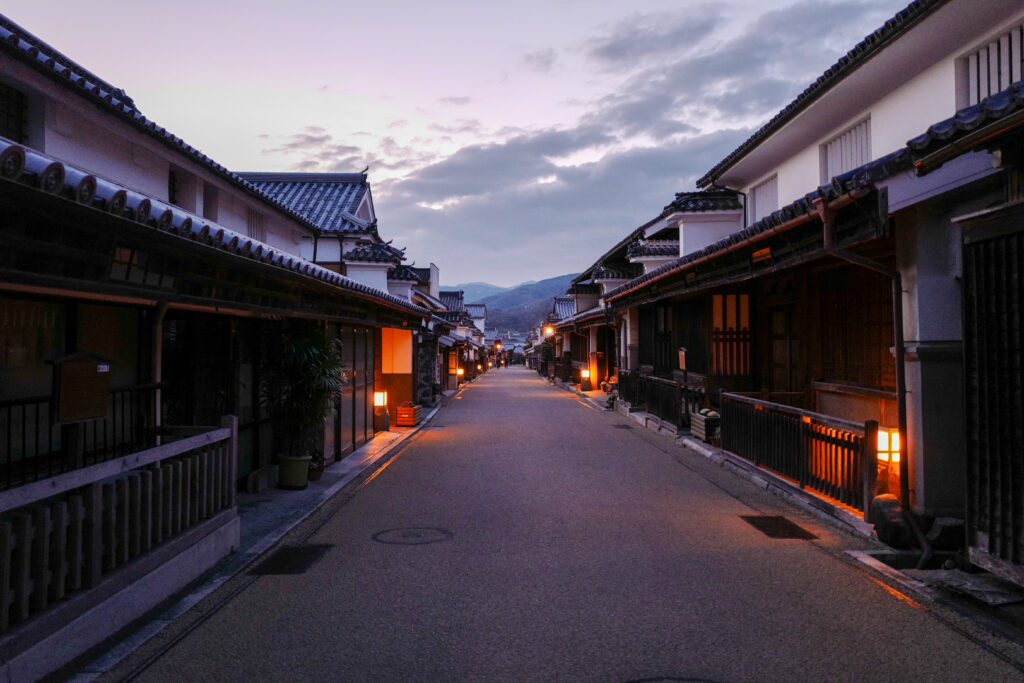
(506, 141)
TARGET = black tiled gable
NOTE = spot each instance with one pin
(328, 200)
(707, 200)
(375, 253)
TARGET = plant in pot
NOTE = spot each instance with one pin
(300, 378)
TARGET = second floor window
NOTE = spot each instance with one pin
(763, 199)
(13, 113)
(254, 223)
(846, 151)
(992, 67)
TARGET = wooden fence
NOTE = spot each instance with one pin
(834, 457)
(62, 534)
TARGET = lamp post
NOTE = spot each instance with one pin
(381, 417)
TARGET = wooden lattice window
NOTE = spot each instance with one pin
(730, 335)
(13, 113)
(857, 328)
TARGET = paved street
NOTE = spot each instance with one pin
(530, 537)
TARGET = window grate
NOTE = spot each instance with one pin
(846, 151)
(995, 66)
(254, 224)
(13, 108)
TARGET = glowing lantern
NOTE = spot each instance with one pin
(584, 374)
(548, 331)
(888, 445)
(380, 398)
(460, 372)
(479, 367)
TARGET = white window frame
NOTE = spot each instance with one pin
(992, 66)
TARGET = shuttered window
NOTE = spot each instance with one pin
(995, 65)
(764, 199)
(12, 113)
(846, 151)
(254, 223)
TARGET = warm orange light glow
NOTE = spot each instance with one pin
(460, 372)
(490, 364)
(380, 398)
(549, 331)
(479, 367)
(584, 374)
(888, 445)
(497, 344)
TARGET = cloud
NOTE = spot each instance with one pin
(726, 80)
(457, 101)
(497, 195)
(640, 36)
(541, 60)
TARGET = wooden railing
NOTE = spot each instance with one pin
(32, 447)
(671, 400)
(62, 534)
(834, 457)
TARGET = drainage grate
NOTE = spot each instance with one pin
(777, 527)
(623, 426)
(291, 559)
(413, 535)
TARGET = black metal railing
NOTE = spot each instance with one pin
(834, 457)
(33, 447)
(670, 400)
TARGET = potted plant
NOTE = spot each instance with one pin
(300, 378)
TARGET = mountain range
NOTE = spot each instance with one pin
(515, 308)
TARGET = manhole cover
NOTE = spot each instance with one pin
(291, 559)
(412, 535)
(777, 527)
(623, 426)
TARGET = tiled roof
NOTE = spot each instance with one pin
(993, 109)
(403, 273)
(21, 45)
(618, 251)
(564, 307)
(624, 272)
(434, 304)
(375, 253)
(476, 310)
(453, 299)
(24, 166)
(705, 200)
(859, 178)
(422, 275)
(583, 316)
(455, 317)
(653, 248)
(328, 200)
(585, 288)
(872, 44)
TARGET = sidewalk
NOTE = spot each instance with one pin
(265, 518)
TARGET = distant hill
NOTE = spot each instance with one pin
(475, 291)
(523, 307)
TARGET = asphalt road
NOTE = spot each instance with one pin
(538, 540)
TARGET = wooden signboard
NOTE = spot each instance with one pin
(81, 388)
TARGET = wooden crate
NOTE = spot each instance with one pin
(703, 427)
(409, 416)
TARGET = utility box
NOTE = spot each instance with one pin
(81, 388)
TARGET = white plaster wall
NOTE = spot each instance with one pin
(372, 274)
(400, 289)
(703, 231)
(896, 117)
(328, 249)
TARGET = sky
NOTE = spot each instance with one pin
(505, 142)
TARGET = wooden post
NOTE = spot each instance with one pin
(109, 513)
(93, 534)
(41, 573)
(134, 515)
(59, 551)
(121, 518)
(76, 550)
(22, 566)
(231, 422)
(158, 504)
(869, 458)
(6, 596)
(146, 509)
